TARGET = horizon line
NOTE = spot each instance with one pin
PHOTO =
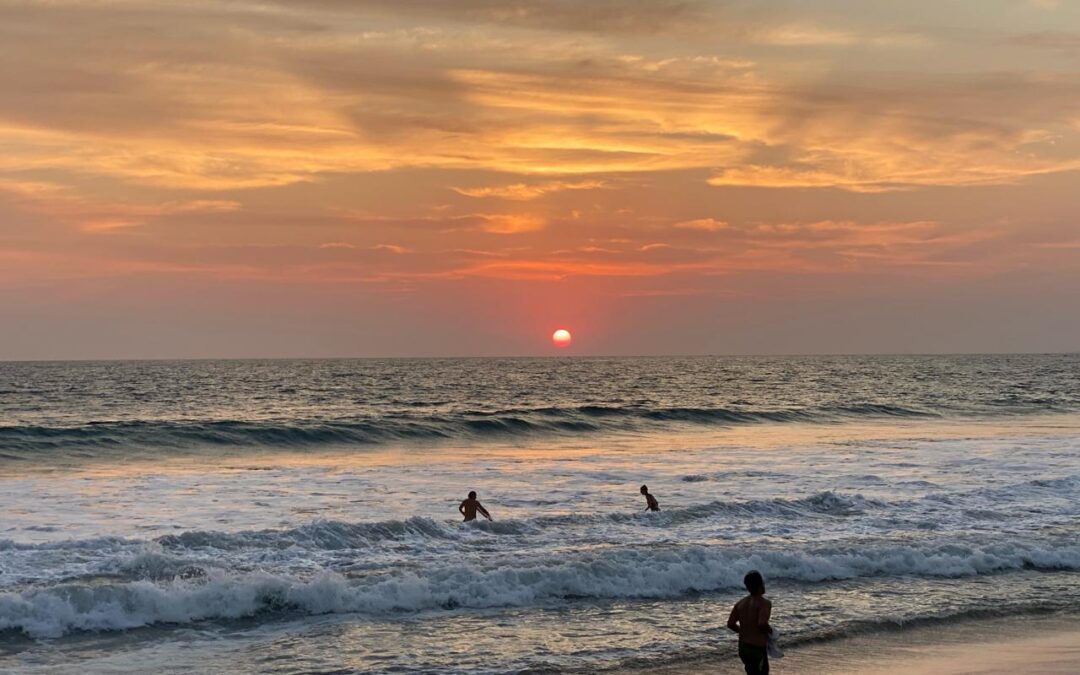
(536, 356)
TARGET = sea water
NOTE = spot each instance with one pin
(301, 516)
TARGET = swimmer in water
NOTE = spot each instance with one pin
(470, 506)
(650, 502)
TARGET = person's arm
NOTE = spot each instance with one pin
(482, 510)
(461, 508)
(764, 615)
(733, 619)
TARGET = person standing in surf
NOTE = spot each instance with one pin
(750, 619)
(470, 506)
(650, 502)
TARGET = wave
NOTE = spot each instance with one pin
(626, 573)
(826, 503)
(28, 440)
(333, 535)
(325, 534)
(322, 535)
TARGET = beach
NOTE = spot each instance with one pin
(303, 516)
(1049, 645)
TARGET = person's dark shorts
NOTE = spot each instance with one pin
(754, 658)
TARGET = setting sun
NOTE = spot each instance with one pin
(561, 338)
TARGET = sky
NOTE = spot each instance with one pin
(282, 178)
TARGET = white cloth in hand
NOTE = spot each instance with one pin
(772, 646)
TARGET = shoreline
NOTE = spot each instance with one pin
(1047, 644)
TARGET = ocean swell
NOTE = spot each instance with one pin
(27, 440)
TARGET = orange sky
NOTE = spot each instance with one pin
(443, 177)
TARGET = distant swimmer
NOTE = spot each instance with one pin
(470, 506)
(750, 619)
(650, 502)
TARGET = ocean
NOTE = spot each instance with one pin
(300, 516)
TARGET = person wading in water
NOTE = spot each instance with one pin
(470, 506)
(650, 502)
(750, 619)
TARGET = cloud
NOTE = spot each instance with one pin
(500, 223)
(670, 292)
(1058, 40)
(793, 177)
(90, 214)
(706, 224)
(390, 248)
(556, 269)
(472, 252)
(603, 16)
(529, 191)
(111, 217)
(230, 97)
(938, 131)
(812, 35)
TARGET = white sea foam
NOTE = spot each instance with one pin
(619, 573)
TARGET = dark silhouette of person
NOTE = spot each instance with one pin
(750, 619)
(650, 502)
(470, 506)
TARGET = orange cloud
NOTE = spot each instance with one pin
(706, 224)
(96, 215)
(561, 269)
(270, 104)
(390, 248)
(500, 223)
(528, 191)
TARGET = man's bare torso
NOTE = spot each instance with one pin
(469, 507)
(750, 611)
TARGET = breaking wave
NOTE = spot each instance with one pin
(619, 573)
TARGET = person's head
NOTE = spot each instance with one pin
(472, 494)
(755, 584)
(644, 489)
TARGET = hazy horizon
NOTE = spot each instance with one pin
(553, 356)
(241, 179)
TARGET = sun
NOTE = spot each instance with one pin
(561, 338)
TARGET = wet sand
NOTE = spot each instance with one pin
(1018, 645)
(1030, 645)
